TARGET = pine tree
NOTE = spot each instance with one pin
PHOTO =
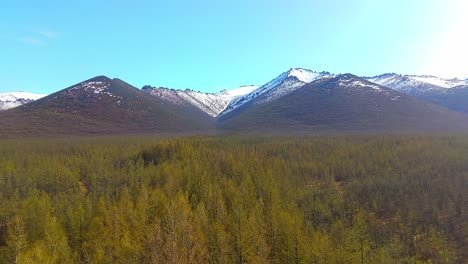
(17, 240)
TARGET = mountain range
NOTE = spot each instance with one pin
(298, 100)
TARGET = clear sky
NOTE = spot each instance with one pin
(209, 45)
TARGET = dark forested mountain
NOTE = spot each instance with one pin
(346, 103)
(101, 105)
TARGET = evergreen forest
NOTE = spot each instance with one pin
(235, 199)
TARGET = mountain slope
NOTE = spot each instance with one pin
(15, 99)
(455, 98)
(210, 103)
(285, 83)
(404, 83)
(346, 103)
(98, 106)
(450, 93)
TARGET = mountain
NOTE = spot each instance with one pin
(14, 99)
(225, 102)
(99, 106)
(210, 103)
(297, 100)
(345, 103)
(450, 93)
(285, 83)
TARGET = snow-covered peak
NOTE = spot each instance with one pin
(304, 75)
(14, 99)
(284, 84)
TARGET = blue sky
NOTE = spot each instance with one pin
(210, 45)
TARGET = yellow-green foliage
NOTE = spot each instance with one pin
(237, 199)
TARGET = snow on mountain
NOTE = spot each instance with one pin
(243, 90)
(20, 95)
(95, 88)
(285, 83)
(351, 82)
(225, 101)
(210, 103)
(14, 99)
(415, 84)
(445, 83)
(449, 93)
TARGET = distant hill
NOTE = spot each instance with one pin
(15, 99)
(345, 103)
(99, 106)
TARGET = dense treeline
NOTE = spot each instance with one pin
(376, 199)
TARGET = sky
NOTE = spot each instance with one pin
(211, 45)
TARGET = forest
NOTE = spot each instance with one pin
(235, 199)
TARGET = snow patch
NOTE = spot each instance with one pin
(303, 75)
(94, 87)
(358, 83)
(243, 90)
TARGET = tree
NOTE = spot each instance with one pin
(17, 240)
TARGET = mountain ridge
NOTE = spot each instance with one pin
(346, 103)
(449, 93)
(283, 84)
(100, 105)
(296, 100)
(221, 103)
(211, 103)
